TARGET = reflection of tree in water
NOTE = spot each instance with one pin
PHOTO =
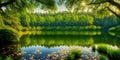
(64, 53)
(10, 50)
(58, 40)
(107, 39)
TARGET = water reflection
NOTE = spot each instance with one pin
(58, 40)
(60, 33)
(56, 53)
(43, 47)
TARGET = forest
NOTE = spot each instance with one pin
(61, 19)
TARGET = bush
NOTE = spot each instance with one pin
(7, 36)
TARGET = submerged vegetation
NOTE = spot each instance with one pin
(74, 55)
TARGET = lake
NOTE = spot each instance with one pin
(57, 46)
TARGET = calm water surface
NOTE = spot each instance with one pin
(56, 47)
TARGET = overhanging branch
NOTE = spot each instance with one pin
(97, 2)
(6, 3)
(113, 12)
(115, 3)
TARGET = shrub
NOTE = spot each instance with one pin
(7, 36)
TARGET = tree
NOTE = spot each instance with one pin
(11, 10)
(26, 4)
(112, 6)
(59, 17)
(104, 7)
(25, 20)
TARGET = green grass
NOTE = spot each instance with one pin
(107, 51)
(113, 54)
(102, 48)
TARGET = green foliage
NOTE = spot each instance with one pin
(27, 6)
(41, 19)
(0, 57)
(102, 57)
(51, 19)
(99, 8)
(47, 40)
(109, 51)
(102, 48)
(74, 55)
(48, 4)
(25, 41)
(112, 28)
(25, 20)
(1, 21)
(59, 17)
(58, 20)
(115, 30)
(8, 36)
(114, 54)
(8, 58)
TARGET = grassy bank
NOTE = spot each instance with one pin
(112, 52)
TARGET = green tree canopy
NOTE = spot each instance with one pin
(101, 7)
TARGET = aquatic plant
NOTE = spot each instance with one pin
(74, 55)
(103, 57)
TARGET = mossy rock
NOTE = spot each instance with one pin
(8, 36)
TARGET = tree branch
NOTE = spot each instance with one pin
(6, 3)
(97, 2)
(113, 12)
(114, 3)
